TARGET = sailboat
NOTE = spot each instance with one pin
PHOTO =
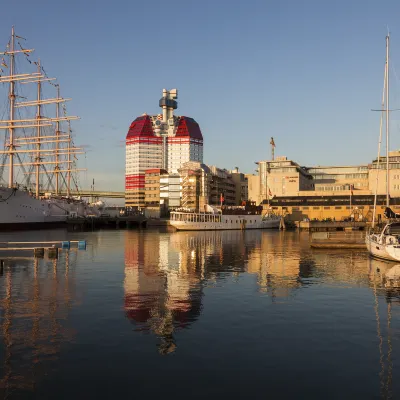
(38, 162)
(385, 244)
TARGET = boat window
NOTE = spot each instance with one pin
(393, 229)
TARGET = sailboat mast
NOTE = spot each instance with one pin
(12, 109)
(57, 138)
(387, 120)
(38, 131)
(69, 162)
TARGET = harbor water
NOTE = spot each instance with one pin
(234, 314)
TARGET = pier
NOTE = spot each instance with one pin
(338, 240)
(39, 249)
(91, 223)
(321, 226)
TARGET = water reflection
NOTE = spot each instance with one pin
(166, 274)
(163, 288)
(35, 298)
(385, 281)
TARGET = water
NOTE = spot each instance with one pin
(198, 315)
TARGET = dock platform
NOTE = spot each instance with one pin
(338, 240)
(90, 223)
(324, 226)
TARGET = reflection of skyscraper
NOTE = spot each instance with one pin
(161, 294)
(33, 302)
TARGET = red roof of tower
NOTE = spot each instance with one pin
(141, 126)
(188, 127)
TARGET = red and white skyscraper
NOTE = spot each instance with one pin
(159, 141)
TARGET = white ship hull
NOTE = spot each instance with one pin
(227, 222)
(18, 207)
(385, 251)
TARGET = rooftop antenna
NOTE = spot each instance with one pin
(272, 143)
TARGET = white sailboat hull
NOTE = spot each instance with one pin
(386, 251)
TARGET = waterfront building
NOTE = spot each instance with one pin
(170, 190)
(164, 141)
(377, 176)
(153, 206)
(195, 189)
(241, 186)
(328, 192)
(339, 178)
(253, 188)
(222, 187)
(282, 177)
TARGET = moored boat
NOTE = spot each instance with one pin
(38, 162)
(248, 216)
(384, 243)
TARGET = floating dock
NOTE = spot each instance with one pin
(39, 249)
(338, 240)
(323, 226)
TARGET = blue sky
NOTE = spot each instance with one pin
(307, 72)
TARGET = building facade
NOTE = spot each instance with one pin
(335, 192)
(222, 187)
(163, 141)
(282, 177)
(241, 186)
(195, 185)
(154, 207)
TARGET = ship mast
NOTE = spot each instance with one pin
(11, 147)
(69, 162)
(57, 167)
(60, 142)
(38, 133)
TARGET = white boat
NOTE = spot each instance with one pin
(226, 218)
(384, 243)
(38, 162)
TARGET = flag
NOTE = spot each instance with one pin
(351, 189)
(221, 198)
(20, 37)
(269, 192)
(272, 143)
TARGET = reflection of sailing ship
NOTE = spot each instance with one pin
(385, 280)
(32, 304)
(162, 289)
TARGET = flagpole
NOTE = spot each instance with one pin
(351, 192)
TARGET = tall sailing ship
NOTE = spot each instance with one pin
(38, 163)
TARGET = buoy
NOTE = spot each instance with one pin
(65, 245)
(82, 245)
